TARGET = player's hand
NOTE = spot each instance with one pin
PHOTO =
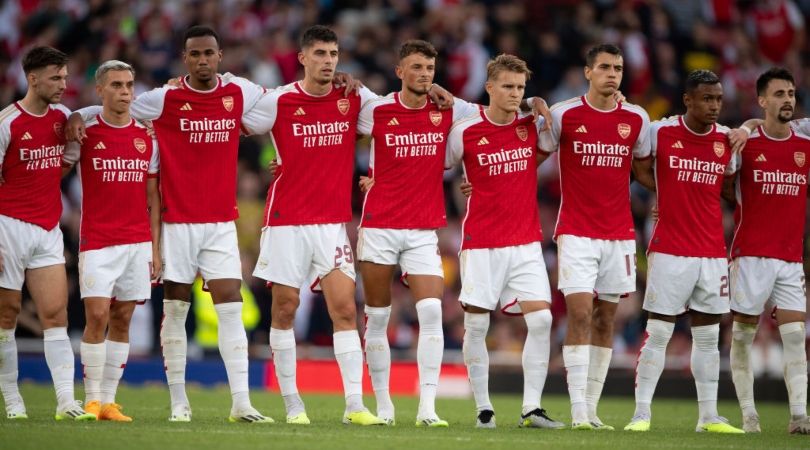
(737, 138)
(654, 212)
(540, 108)
(466, 188)
(346, 81)
(74, 128)
(441, 97)
(619, 97)
(365, 184)
(175, 82)
(272, 167)
(157, 266)
(150, 129)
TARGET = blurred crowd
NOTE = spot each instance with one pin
(662, 41)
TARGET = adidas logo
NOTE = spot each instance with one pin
(299, 112)
(185, 107)
(483, 141)
(582, 129)
(761, 158)
(100, 146)
(27, 136)
(393, 122)
(677, 144)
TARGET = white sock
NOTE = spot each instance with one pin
(576, 359)
(598, 365)
(93, 357)
(349, 356)
(59, 356)
(9, 370)
(173, 342)
(429, 353)
(651, 361)
(282, 344)
(795, 366)
(233, 347)
(706, 367)
(116, 360)
(476, 357)
(742, 338)
(535, 358)
(378, 357)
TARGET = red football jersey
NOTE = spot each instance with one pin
(114, 164)
(407, 162)
(596, 151)
(689, 169)
(314, 137)
(198, 133)
(771, 197)
(500, 162)
(31, 149)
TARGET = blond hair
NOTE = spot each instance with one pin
(507, 63)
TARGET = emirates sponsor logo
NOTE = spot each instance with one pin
(227, 102)
(582, 129)
(27, 136)
(207, 124)
(483, 141)
(677, 144)
(185, 107)
(411, 138)
(435, 117)
(140, 145)
(719, 149)
(600, 148)
(505, 156)
(300, 112)
(777, 176)
(624, 130)
(522, 132)
(393, 122)
(696, 165)
(57, 128)
(119, 163)
(100, 146)
(343, 106)
(761, 158)
(798, 158)
(320, 128)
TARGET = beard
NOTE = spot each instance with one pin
(785, 116)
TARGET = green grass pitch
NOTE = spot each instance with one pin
(673, 426)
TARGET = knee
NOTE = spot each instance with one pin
(97, 318)
(53, 316)
(283, 311)
(120, 318)
(343, 314)
(602, 323)
(579, 318)
(8, 315)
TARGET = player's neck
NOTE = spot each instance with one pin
(34, 104)
(411, 99)
(115, 118)
(202, 85)
(498, 115)
(600, 101)
(695, 126)
(775, 128)
(312, 87)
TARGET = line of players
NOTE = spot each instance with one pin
(313, 126)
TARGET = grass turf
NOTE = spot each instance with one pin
(673, 425)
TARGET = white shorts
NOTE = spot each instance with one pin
(27, 246)
(596, 265)
(122, 272)
(297, 255)
(208, 248)
(678, 283)
(756, 282)
(416, 251)
(505, 276)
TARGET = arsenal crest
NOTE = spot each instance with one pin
(343, 106)
(227, 102)
(624, 130)
(719, 149)
(435, 118)
(522, 132)
(140, 144)
(798, 158)
(57, 128)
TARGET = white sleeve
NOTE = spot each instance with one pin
(731, 168)
(538, 125)
(149, 105)
(549, 140)
(251, 92)
(794, 16)
(653, 139)
(642, 148)
(365, 121)
(5, 138)
(455, 147)
(72, 153)
(366, 95)
(154, 163)
(801, 125)
(463, 108)
(89, 112)
(261, 118)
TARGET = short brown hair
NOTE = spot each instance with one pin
(42, 57)
(507, 63)
(417, 46)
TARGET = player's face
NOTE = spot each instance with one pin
(117, 90)
(506, 90)
(201, 57)
(49, 83)
(606, 74)
(779, 100)
(416, 72)
(320, 61)
(704, 103)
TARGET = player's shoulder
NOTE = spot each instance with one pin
(376, 103)
(566, 105)
(8, 114)
(91, 122)
(666, 122)
(722, 129)
(635, 109)
(60, 108)
(801, 136)
(467, 121)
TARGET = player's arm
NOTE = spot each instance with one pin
(643, 173)
(538, 108)
(75, 126)
(728, 188)
(737, 137)
(154, 206)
